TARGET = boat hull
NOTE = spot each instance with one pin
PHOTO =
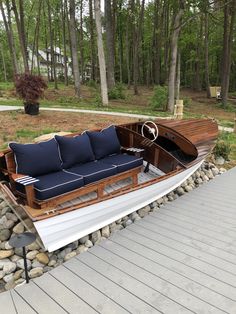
(61, 230)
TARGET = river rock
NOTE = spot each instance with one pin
(8, 246)
(33, 246)
(19, 228)
(12, 217)
(36, 263)
(18, 274)
(52, 263)
(32, 254)
(105, 231)
(36, 272)
(10, 284)
(8, 278)
(69, 255)
(6, 253)
(88, 244)
(9, 268)
(188, 188)
(220, 160)
(133, 216)
(180, 191)
(127, 223)
(96, 236)
(20, 263)
(84, 239)
(42, 258)
(4, 234)
(81, 248)
(14, 258)
(1, 274)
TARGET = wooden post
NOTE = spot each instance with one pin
(179, 108)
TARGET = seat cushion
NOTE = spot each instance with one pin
(74, 150)
(93, 171)
(36, 159)
(123, 162)
(54, 184)
(105, 142)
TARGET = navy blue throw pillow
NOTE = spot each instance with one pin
(74, 150)
(104, 143)
(36, 159)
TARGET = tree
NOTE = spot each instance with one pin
(229, 18)
(10, 38)
(110, 45)
(74, 47)
(173, 55)
(101, 56)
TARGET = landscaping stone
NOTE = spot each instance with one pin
(6, 253)
(84, 239)
(81, 248)
(19, 228)
(88, 244)
(18, 274)
(20, 263)
(42, 258)
(96, 236)
(32, 254)
(36, 272)
(9, 267)
(105, 232)
(4, 234)
(69, 255)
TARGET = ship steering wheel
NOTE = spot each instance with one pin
(153, 129)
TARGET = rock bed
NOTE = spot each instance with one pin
(39, 261)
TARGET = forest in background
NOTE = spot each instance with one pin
(135, 42)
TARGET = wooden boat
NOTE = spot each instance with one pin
(172, 150)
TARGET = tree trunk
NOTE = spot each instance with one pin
(63, 15)
(92, 44)
(10, 38)
(178, 77)
(156, 44)
(206, 30)
(21, 34)
(101, 57)
(173, 58)
(74, 46)
(137, 39)
(3, 63)
(52, 52)
(229, 17)
(110, 45)
(81, 40)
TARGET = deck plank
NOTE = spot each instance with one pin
(70, 301)
(130, 283)
(22, 307)
(6, 303)
(39, 300)
(112, 290)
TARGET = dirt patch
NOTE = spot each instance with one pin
(17, 126)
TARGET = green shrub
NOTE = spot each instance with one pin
(159, 98)
(92, 84)
(222, 149)
(117, 92)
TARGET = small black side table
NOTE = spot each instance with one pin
(22, 240)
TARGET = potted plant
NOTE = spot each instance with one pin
(30, 88)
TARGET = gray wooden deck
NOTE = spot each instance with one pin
(180, 259)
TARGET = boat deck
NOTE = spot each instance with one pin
(179, 259)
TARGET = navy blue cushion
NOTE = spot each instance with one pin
(36, 159)
(104, 143)
(75, 150)
(54, 184)
(93, 171)
(123, 162)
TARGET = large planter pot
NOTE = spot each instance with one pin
(31, 109)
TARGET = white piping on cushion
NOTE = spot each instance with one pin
(55, 186)
(126, 163)
(88, 175)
